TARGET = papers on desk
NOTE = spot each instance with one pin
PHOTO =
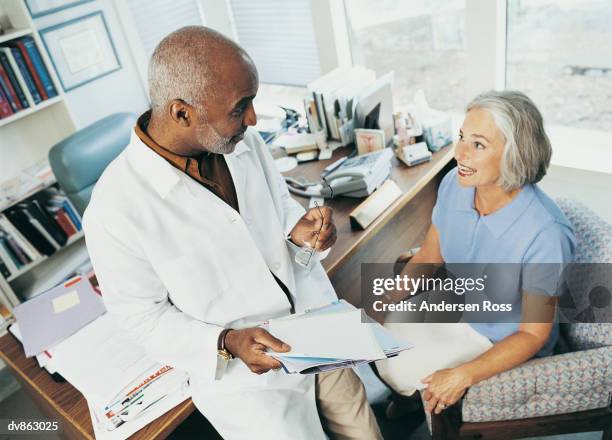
(125, 390)
(56, 314)
(332, 337)
(69, 332)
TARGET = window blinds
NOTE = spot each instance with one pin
(279, 36)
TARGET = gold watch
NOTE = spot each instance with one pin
(222, 351)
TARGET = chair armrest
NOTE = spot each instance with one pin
(574, 372)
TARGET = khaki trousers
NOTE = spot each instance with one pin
(343, 407)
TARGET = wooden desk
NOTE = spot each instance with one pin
(400, 227)
(63, 402)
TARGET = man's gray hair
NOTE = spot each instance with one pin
(527, 150)
(182, 66)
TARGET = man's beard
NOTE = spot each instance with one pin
(214, 142)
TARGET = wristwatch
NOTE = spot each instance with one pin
(222, 351)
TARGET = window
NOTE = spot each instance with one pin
(560, 54)
(421, 40)
(154, 19)
(279, 36)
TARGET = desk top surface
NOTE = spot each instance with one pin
(70, 404)
(409, 179)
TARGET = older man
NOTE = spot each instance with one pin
(193, 237)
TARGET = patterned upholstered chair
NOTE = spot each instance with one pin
(566, 393)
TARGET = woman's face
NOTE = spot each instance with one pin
(479, 149)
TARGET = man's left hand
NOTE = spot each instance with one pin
(444, 388)
(308, 227)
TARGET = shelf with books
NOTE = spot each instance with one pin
(43, 258)
(27, 112)
(34, 231)
(12, 34)
(34, 116)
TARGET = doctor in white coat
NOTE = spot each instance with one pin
(193, 235)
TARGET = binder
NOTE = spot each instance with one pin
(15, 81)
(39, 66)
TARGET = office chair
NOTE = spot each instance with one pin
(79, 160)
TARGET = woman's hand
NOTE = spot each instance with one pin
(445, 387)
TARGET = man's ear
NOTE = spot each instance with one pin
(181, 113)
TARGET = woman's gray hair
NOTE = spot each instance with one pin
(527, 150)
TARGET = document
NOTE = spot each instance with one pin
(338, 335)
(331, 337)
(120, 382)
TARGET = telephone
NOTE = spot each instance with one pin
(356, 177)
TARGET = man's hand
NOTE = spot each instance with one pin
(307, 228)
(250, 346)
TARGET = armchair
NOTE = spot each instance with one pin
(566, 393)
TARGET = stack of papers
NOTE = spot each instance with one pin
(332, 337)
(69, 332)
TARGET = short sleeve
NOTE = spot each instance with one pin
(546, 258)
(443, 197)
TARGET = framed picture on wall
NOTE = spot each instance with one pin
(38, 8)
(81, 50)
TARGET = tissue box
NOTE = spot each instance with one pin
(438, 133)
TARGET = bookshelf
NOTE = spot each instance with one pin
(26, 137)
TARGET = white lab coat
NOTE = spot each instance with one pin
(178, 265)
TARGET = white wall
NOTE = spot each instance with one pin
(117, 92)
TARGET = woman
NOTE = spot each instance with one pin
(489, 210)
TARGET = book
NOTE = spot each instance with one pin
(27, 247)
(40, 67)
(72, 213)
(63, 220)
(15, 81)
(9, 259)
(25, 73)
(9, 90)
(20, 218)
(20, 45)
(6, 53)
(15, 249)
(5, 105)
(53, 229)
(4, 270)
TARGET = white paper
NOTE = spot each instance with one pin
(99, 360)
(338, 335)
(129, 428)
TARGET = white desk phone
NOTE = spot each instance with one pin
(358, 176)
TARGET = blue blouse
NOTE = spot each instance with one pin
(529, 229)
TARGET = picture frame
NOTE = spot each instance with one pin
(81, 50)
(40, 8)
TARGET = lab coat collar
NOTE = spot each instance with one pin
(152, 167)
(162, 175)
